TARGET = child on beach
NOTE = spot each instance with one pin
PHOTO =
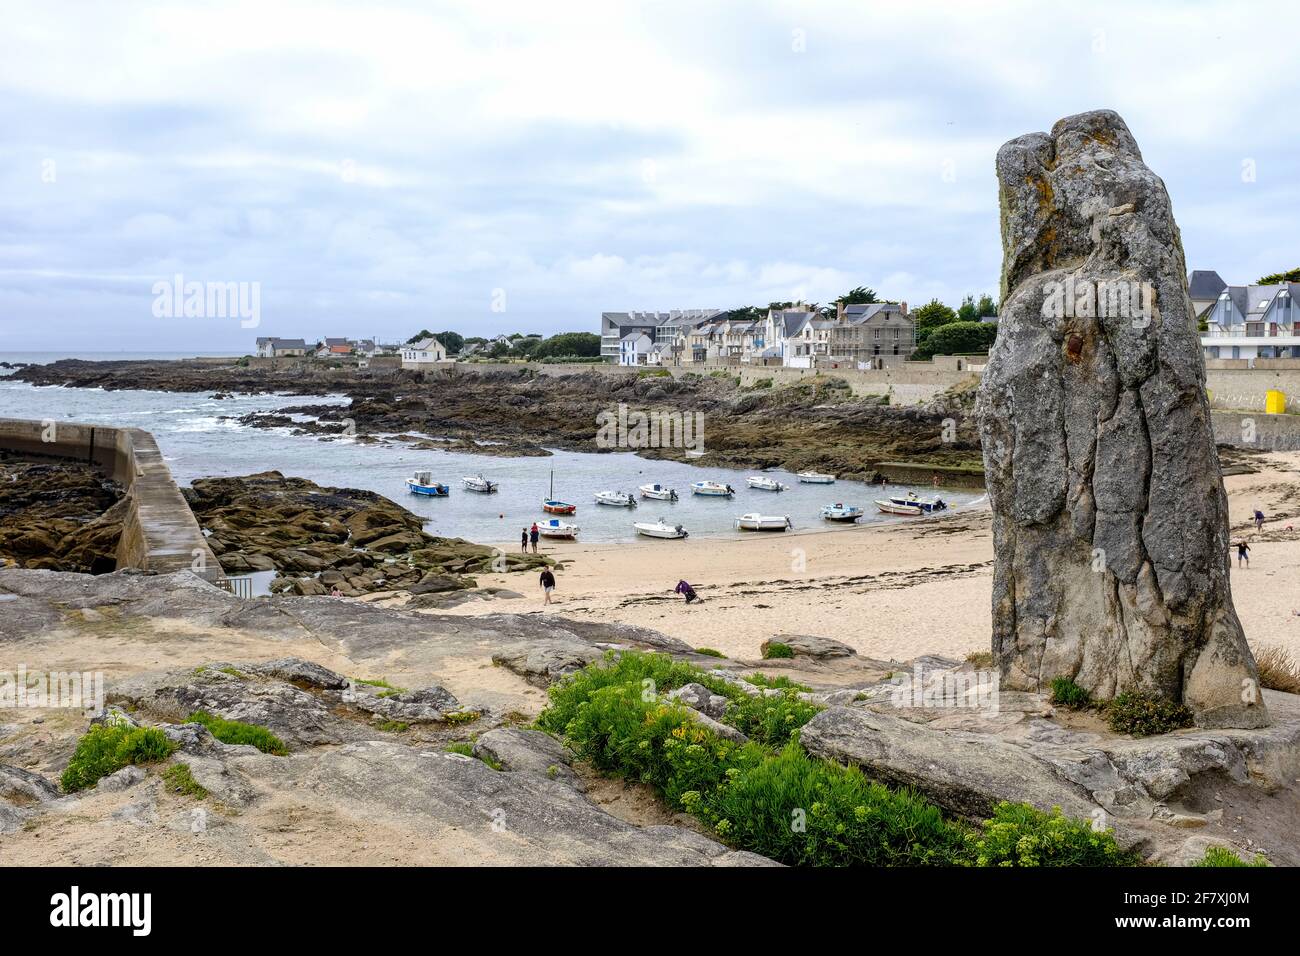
(523, 541)
(1242, 549)
(533, 535)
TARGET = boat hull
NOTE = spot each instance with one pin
(658, 494)
(559, 507)
(765, 484)
(427, 491)
(890, 508)
(817, 479)
(763, 522)
(659, 531)
(481, 485)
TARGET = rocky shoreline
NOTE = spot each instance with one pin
(815, 424)
(58, 515)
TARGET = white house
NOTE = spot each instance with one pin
(423, 355)
(1253, 321)
(634, 348)
(275, 347)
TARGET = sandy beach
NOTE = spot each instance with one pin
(892, 591)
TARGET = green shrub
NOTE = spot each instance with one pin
(178, 779)
(107, 748)
(1221, 856)
(771, 720)
(238, 732)
(775, 650)
(460, 747)
(394, 726)
(709, 652)
(1143, 715)
(1066, 693)
(759, 679)
(1020, 835)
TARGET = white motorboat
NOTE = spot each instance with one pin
(555, 528)
(712, 488)
(892, 508)
(758, 522)
(764, 483)
(815, 478)
(841, 512)
(658, 492)
(615, 499)
(480, 484)
(659, 529)
(927, 505)
(422, 483)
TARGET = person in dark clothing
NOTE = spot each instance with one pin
(686, 591)
(523, 541)
(533, 535)
(1259, 520)
(1242, 549)
(547, 582)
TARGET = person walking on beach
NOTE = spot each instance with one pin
(547, 581)
(1242, 555)
(1259, 520)
(533, 535)
(523, 541)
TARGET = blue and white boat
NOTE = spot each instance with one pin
(422, 483)
(926, 505)
(716, 489)
(841, 512)
(555, 528)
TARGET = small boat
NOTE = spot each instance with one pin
(927, 505)
(659, 529)
(480, 484)
(763, 483)
(615, 499)
(422, 483)
(757, 522)
(553, 505)
(713, 488)
(841, 512)
(893, 508)
(555, 528)
(815, 478)
(658, 492)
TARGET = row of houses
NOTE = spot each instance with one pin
(424, 354)
(1245, 321)
(862, 334)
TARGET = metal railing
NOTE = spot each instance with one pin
(239, 587)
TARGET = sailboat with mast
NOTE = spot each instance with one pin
(553, 505)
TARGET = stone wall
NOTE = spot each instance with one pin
(159, 532)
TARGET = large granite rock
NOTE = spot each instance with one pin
(1109, 516)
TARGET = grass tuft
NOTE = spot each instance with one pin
(775, 650)
(1143, 715)
(709, 652)
(1066, 693)
(1222, 856)
(178, 779)
(1277, 670)
(238, 732)
(107, 748)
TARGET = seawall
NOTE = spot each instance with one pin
(159, 532)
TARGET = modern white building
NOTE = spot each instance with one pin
(659, 326)
(1252, 321)
(423, 355)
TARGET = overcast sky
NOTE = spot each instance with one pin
(503, 166)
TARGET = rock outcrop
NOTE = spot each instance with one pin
(1109, 515)
(58, 514)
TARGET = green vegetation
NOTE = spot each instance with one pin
(393, 726)
(107, 748)
(762, 680)
(768, 795)
(709, 652)
(230, 671)
(1277, 278)
(569, 344)
(1066, 693)
(460, 747)
(761, 383)
(462, 717)
(238, 732)
(378, 682)
(776, 650)
(1143, 715)
(957, 338)
(178, 779)
(1019, 835)
(1222, 856)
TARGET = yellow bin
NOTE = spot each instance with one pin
(1274, 402)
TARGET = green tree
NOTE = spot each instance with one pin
(957, 338)
(859, 296)
(986, 306)
(1279, 277)
(934, 314)
(582, 344)
(453, 342)
(422, 334)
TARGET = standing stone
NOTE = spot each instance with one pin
(1109, 517)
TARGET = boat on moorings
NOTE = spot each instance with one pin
(555, 528)
(659, 529)
(658, 492)
(841, 512)
(615, 499)
(759, 522)
(712, 488)
(555, 506)
(480, 484)
(422, 483)
(927, 505)
(764, 483)
(891, 507)
(815, 478)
